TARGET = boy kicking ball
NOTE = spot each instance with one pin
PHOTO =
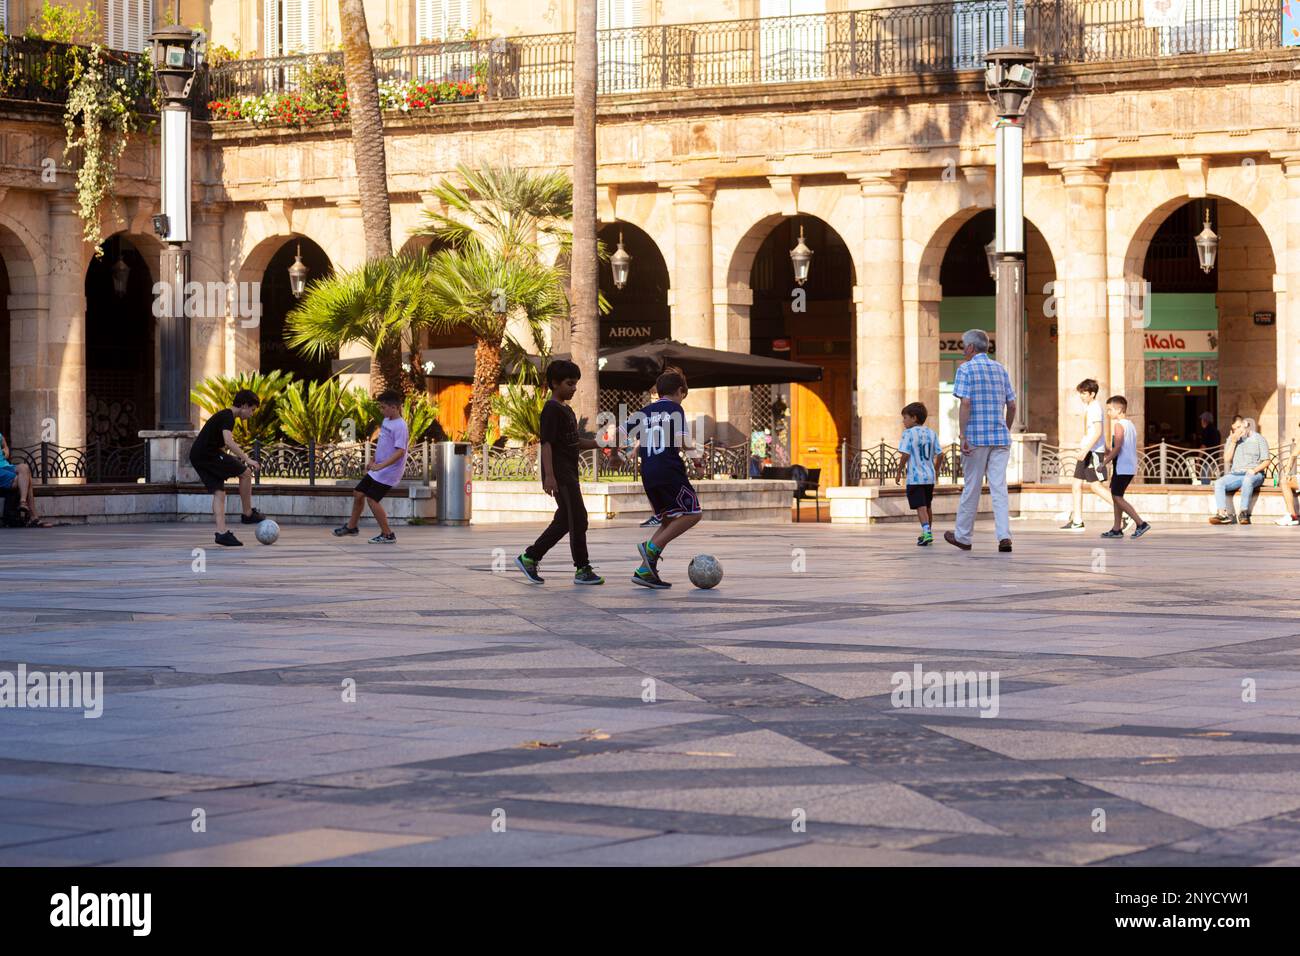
(663, 475)
(1123, 452)
(215, 467)
(918, 451)
(389, 466)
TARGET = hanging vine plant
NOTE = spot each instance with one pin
(103, 110)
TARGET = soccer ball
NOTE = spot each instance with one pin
(267, 531)
(705, 571)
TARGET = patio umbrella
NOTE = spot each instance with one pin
(637, 366)
(458, 363)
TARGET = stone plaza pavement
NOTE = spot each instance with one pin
(1122, 668)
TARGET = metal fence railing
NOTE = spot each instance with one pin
(521, 464)
(881, 464)
(1161, 464)
(41, 71)
(95, 462)
(345, 461)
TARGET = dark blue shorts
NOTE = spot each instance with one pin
(671, 496)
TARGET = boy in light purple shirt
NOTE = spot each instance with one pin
(388, 467)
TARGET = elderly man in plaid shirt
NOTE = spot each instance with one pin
(988, 407)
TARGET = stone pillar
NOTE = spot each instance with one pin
(1286, 286)
(209, 268)
(691, 292)
(348, 254)
(731, 333)
(1083, 325)
(879, 350)
(60, 393)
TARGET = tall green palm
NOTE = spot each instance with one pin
(468, 288)
(374, 304)
(502, 208)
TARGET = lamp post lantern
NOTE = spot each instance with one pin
(1009, 77)
(801, 259)
(1207, 245)
(177, 55)
(298, 274)
(620, 263)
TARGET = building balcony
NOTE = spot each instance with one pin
(926, 47)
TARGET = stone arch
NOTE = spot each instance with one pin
(924, 278)
(1249, 375)
(254, 269)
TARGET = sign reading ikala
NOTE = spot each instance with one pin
(1191, 340)
(75, 690)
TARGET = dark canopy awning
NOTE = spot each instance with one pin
(637, 366)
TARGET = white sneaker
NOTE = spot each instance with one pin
(1286, 521)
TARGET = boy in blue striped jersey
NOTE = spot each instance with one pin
(919, 452)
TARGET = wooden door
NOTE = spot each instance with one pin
(820, 417)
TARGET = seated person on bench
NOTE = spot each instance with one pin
(19, 476)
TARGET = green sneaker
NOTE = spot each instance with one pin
(925, 538)
(585, 575)
(527, 565)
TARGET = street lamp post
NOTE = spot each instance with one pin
(177, 53)
(1009, 81)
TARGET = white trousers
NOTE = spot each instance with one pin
(986, 461)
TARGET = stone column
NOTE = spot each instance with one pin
(347, 254)
(60, 393)
(691, 293)
(1083, 326)
(1286, 285)
(731, 333)
(879, 351)
(208, 328)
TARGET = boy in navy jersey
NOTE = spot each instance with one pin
(663, 474)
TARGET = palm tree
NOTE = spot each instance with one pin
(585, 283)
(372, 169)
(466, 288)
(374, 305)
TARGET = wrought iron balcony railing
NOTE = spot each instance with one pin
(929, 38)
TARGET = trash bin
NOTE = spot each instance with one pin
(452, 463)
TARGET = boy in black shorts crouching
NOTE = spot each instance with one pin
(215, 467)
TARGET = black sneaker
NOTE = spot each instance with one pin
(529, 567)
(256, 517)
(650, 522)
(1072, 525)
(227, 539)
(585, 575)
(1113, 533)
(344, 530)
(649, 579)
(1141, 529)
(381, 538)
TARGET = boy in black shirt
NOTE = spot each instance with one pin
(209, 458)
(559, 460)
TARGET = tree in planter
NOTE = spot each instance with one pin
(367, 128)
(520, 404)
(475, 288)
(374, 305)
(215, 393)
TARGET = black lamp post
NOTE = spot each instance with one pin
(177, 55)
(1009, 77)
